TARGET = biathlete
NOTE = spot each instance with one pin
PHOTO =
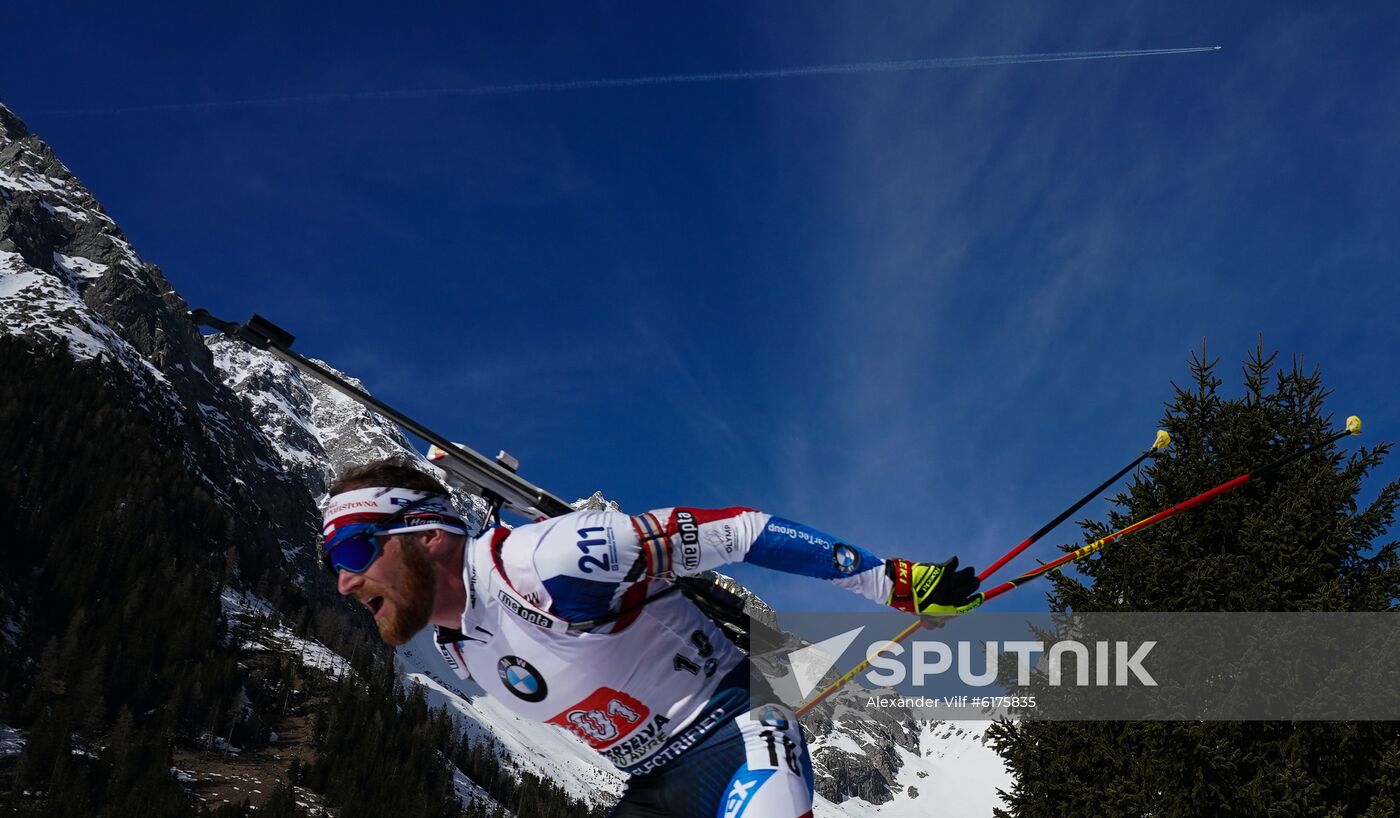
(571, 621)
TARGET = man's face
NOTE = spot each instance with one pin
(397, 588)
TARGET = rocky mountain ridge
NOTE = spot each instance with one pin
(68, 275)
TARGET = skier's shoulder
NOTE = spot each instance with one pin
(566, 528)
(557, 545)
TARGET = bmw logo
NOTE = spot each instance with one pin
(521, 678)
(770, 717)
(847, 560)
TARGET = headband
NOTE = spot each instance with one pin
(417, 510)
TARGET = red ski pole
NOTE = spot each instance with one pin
(1163, 440)
(1353, 427)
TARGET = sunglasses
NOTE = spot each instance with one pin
(355, 547)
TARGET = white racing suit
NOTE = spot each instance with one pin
(659, 691)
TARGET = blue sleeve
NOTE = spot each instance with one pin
(789, 546)
(591, 563)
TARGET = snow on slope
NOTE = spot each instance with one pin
(954, 774)
(52, 257)
(40, 305)
(315, 429)
(275, 395)
(244, 605)
(11, 742)
(69, 277)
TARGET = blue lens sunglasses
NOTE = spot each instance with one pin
(355, 547)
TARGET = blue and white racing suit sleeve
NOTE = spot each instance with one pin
(594, 562)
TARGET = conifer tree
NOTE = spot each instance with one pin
(1301, 542)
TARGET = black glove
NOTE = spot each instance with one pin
(932, 588)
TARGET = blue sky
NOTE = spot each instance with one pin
(920, 310)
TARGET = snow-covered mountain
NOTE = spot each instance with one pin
(69, 277)
(314, 429)
(264, 441)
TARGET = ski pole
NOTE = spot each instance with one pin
(1163, 440)
(858, 669)
(1353, 427)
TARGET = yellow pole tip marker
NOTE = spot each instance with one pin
(1354, 425)
(1163, 439)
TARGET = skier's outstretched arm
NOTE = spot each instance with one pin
(590, 563)
(701, 539)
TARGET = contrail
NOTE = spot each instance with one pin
(879, 67)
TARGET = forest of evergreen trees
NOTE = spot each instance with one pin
(370, 718)
(113, 567)
(1225, 556)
